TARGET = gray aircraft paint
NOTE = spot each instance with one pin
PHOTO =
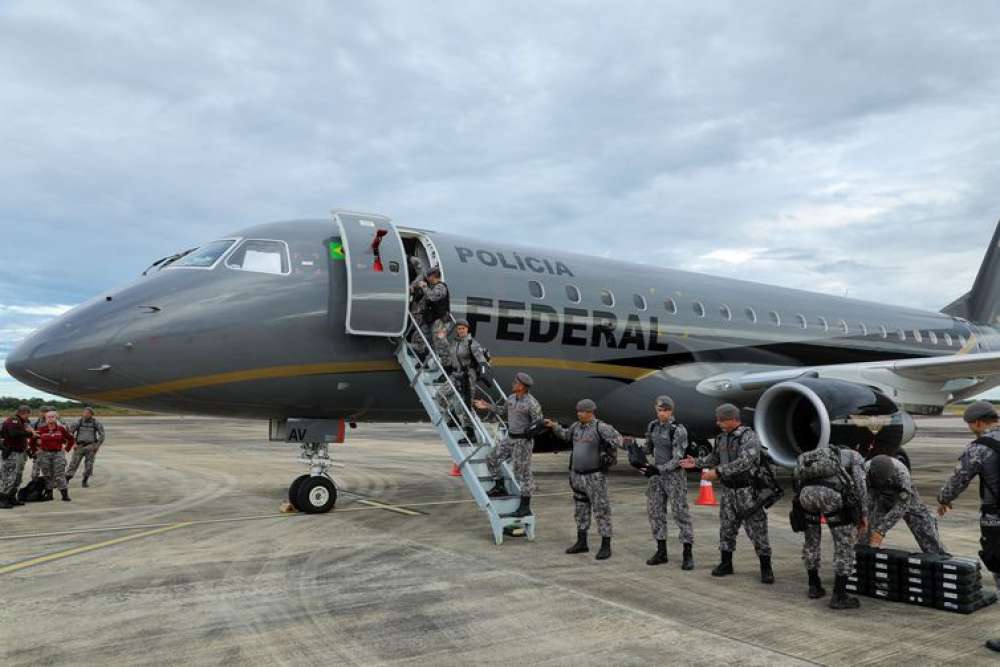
(237, 343)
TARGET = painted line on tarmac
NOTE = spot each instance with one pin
(76, 551)
(391, 508)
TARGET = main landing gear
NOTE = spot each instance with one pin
(314, 493)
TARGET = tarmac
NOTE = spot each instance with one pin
(178, 555)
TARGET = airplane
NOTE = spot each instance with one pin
(301, 320)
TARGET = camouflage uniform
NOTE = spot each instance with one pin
(89, 434)
(827, 501)
(900, 500)
(15, 440)
(671, 484)
(433, 296)
(586, 478)
(519, 412)
(979, 460)
(467, 360)
(53, 468)
(737, 455)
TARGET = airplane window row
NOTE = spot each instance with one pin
(607, 298)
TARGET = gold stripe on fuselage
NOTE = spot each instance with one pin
(348, 367)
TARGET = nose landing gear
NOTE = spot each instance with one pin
(314, 493)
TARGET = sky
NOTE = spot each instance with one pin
(847, 148)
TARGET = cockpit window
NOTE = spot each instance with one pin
(261, 256)
(204, 257)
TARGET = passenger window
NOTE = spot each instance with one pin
(863, 329)
(962, 341)
(948, 340)
(932, 337)
(823, 324)
(843, 326)
(572, 293)
(260, 256)
(725, 313)
(775, 318)
(883, 331)
(751, 315)
(699, 308)
(204, 257)
(670, 306)
(536, 289)
(607, 297)
(901, 335)
(639, 301)
(917, 337)
(803, 324)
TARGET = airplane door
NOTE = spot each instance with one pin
(377, 287)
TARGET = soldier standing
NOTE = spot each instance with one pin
(981, 458)
(15, 437)
(666, 442)
(593, 443)
(736, 462)
(521, 410)
(36, 464)
(468, 361)
(436, 303)
(831, 483)
(53, 440)
(89, 434)
(891, 497)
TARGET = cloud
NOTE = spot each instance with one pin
(43, 311)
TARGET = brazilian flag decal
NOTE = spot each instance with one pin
(336, 250)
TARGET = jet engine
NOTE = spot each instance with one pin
(799, 415)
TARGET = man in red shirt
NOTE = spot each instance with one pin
(53, 440)
(15, 435)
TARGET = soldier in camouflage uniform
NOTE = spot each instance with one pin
(587, 478)
(435, 303)
(818, 498)
(89, 434)
(521, 410)
(15, 438)
(735, 462)
(666, 442)
(891, 497)
(468, 361)
(981, 458)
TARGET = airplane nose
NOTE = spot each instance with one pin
(15, 363)
(34, 364)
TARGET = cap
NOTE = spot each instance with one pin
(89, 409)
(23, 408)
(881, 470)
(586, 405)
(727, 411)
(665, 402)
(433, 271)
(524, 378)
(462, 323)
(979, 410)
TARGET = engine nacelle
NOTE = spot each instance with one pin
(799, 415)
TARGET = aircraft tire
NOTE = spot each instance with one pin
(316, 495)
(293, 491)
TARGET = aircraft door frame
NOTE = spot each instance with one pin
(377, 287)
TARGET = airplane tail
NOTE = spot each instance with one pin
(982, 303)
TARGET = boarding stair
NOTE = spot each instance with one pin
(443, 402)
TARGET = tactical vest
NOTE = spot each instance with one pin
(86, 432)
(989, 477)
(587, 449)
(821, 467)
(662, 451)
(435, 310)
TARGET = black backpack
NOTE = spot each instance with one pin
(32, 491)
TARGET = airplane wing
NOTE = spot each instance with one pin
(920, 381)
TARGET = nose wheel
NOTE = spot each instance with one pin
(314, 493)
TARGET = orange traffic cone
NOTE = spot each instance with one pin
(455, 472)
(706, 494)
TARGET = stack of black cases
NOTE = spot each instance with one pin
(942, 582)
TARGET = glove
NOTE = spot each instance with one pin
(650, 471)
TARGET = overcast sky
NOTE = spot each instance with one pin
(842, 147)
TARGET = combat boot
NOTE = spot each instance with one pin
(14, 500)
(85, 478)
(499, 490)
(993, 644)
(65, 495)
(688, 562)
(605, 551)
(660, 557)
(46, 495)
(524, 509)
(840, 598)
(766, 573)
(5, 503)
(725, 567)
(816, 589)
(581, 543)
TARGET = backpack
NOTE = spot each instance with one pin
(815, 468)
(818, 464)
(608, 454)
(32, 491)
(435, 310)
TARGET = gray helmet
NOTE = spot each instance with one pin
(881, 470)
(462, 323)
(586, 405)
(727, 411)
(665, 402)
(524, 378)
(433, 271)
(980, 410)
